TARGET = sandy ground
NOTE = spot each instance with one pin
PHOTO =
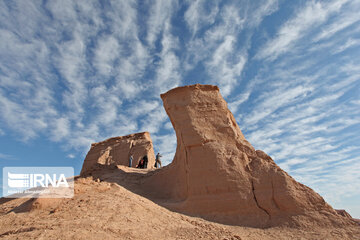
(107, 210)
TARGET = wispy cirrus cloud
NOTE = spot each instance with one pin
(106, 54)
(67, 50)
(221, 47)
(348, 44)
(198, 16)
(167, 74)
(342, 21)
(312, 15)
(215, 49)
(160, 14)
(225, 66)
(260, 10)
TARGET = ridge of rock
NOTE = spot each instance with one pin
(117, 150)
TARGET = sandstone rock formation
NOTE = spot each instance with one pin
(218, 175)
(117, 151)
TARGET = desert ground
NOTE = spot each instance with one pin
(111, 208)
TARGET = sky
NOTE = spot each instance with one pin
(77, 72)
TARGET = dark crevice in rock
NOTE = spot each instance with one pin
(256, 201)
(186, 166)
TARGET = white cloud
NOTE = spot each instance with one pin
(167, 74)
(133, 56)
(231, 22)
(19, 119)
(313, 14)
(154, 121)
(123, 126)
(123, 19)
(144, 108)
(197, 15)
(356, 102)
(275, 100)
(61, 129)
(218, 46)
(341, 22)
(349, 43)
(222, 66)
(287, 165)
(105, 54)
(72, 65)
(29, 111)
(201, 47)
(130, 57)
(234, 105)
(24, 20)
(168, 69)
(63, 11)
(261, 10)
(160, 13)
(72, 156)
(81, 142)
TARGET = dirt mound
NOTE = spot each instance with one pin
(103, 210)
(117, 150)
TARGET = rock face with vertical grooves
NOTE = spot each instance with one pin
(218, 175)
(117, 151)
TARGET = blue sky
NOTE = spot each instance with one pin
(77, 72)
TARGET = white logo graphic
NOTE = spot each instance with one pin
(38, 182)
(18, 180)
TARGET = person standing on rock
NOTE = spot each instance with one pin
(157, 160)
(141, 164)
(130, 160)
(146, 160)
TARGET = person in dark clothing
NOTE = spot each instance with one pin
(145, 161)
(140, 164)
